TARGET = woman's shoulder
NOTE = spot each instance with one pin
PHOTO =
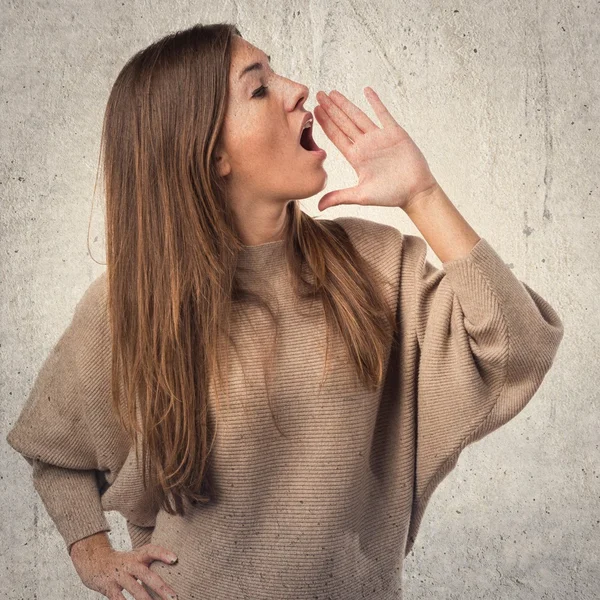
(88, 335)
(94, 300)
(371, 237)
(360, 225)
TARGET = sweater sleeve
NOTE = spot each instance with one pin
(485, 342)
(66, 430)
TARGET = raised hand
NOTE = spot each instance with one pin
(391, 169)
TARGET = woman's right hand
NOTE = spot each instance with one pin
(109, 571)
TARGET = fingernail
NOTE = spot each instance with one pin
(173, 560)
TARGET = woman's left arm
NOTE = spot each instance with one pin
(445, 230)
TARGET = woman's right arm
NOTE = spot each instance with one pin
(66, 429)
(68, 433)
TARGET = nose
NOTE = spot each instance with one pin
(301, 94)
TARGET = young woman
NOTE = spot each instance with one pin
(297, 387)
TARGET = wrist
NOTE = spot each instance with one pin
(90, 544)
(422, 197)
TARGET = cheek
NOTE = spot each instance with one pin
(263, 144)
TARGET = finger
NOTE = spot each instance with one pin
(150, 552)
(155, 582)
(339, 117)
(383, 114)
(136, 589)
(363, 122)
(114, 593)
(346, 196)
(333, 132)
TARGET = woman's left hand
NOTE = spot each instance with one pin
(391, 169)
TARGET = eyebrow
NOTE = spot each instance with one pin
(256, 66)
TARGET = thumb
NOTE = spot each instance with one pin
(345, 196)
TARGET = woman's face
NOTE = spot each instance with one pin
(260, 154)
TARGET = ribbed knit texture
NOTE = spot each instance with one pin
(331, 510)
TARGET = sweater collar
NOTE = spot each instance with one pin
(267, 256)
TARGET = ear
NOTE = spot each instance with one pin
(222, 162)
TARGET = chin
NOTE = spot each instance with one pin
(313, 185)
(322, 180)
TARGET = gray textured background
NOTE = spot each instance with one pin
(501, 97)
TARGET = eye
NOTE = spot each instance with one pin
(260, 92)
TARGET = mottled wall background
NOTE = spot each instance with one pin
(501, 97)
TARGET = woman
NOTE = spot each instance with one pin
(298, 387)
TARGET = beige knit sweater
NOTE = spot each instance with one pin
(332, 509)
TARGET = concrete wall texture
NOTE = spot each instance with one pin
(502, 98)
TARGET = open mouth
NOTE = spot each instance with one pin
(306, 140)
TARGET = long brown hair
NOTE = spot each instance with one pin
(172, 248)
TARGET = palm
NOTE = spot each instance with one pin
(390, 167)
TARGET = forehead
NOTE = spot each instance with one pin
(243, 54)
